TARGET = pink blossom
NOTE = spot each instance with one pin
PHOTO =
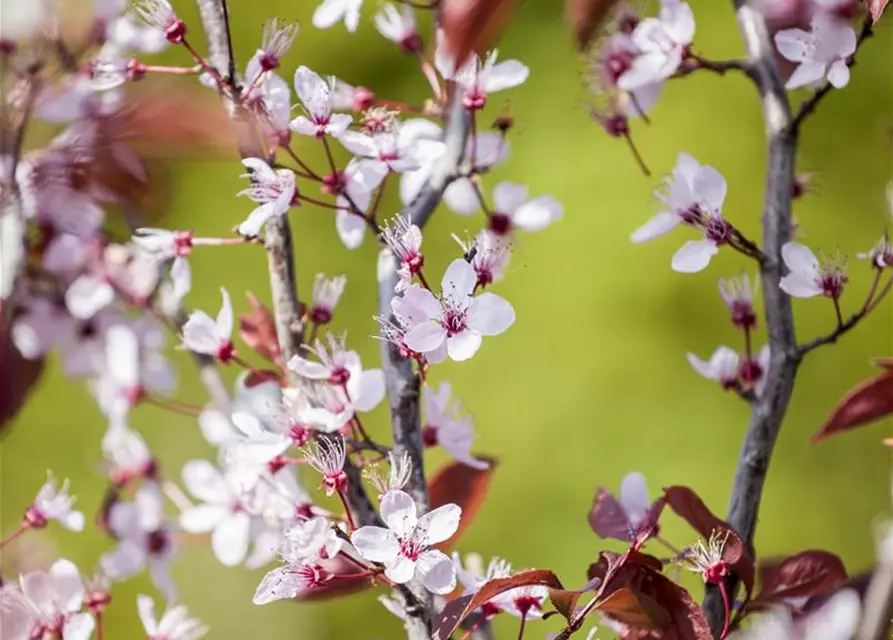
(273, 190)
(661, 45)
(456, 319)
(489, 256)
(404, 547)
(54, 503)
(315, 95)
(820, 53)
(628, 517)
(327, 456)
(46, 604)
(159, 14)
(332, 11)
(277, 40)
(399, 27)
(396, 147)
(211, 337)
(513, 209)
(326, 294)
(807, 277)
(447, 426)
(175, 624)
(479, 78)
(722, 366)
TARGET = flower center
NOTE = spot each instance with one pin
(500, 223)
(158, 542)
(718, 230)
(411, 548)
(429, 436)
(454, 321)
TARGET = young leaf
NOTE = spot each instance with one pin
(866, 402)
(459, 609)
(460, 484)
(471, 25)
(584, 17)
(802, 575)
(258, 329)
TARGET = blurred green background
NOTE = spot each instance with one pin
(591, 382)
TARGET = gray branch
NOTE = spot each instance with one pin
(767, 411)
(403, 383)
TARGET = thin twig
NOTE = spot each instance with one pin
(768, 410)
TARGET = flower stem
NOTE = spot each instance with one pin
(350, 522)
(23, 527)
(725, 602)
(98, 625)
(521, 628)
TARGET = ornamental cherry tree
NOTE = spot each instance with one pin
(292, 431)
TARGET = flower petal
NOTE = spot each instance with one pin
(372, 390)
(439, 524)
(490, 314)
(351, 228)
(426, 336)
(376, 544)
(463, 345)
(799, 258)
(537, 214)
(202, 518)
(399, 510)
(436, 571)
(659, 225)
(800, 285)
(506, 75)
(401, 570)
(633, 497)
(229, 540)
(205, 482)
(459, 280)
(694, 256)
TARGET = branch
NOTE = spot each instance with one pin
(878, 602)
(767, 411)
(403, 383)
(810, 104)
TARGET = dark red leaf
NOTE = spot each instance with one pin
(18, 375)
(805, 574)
(565, 602)
(876, 9)
(866, 402)
(635, 609)
(472, 25)
(607, 517)
(457, 610)
(457, 483)
(689, 506)
(258, 329)
(584, 17)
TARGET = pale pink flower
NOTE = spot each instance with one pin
(457, 320)
(315, 95)
(159, 14)
(524, 602)
(513, 209)
(166, 245)
(399, 471)
(821, 53)
(327, 456)
(399, 27)
(404, 548)
(332, 11)
(273, 190)
(447, 426)
(661, 45)
(404, 239)
(694, 196)
(722, 366)
(326, 294)
(616, 57)
(127, 455)
(175, 624)
(489, 256)
(222, 511)
(277, 40)
(54, 503)
(629, 516)
(48, 604)
(881, 254)
(807, 277)
(211, 337)
(360, 178)
(477, 78)
(738, 295)
(396, 147)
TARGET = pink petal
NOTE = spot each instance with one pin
(425, 337)
(634, 498)
(505, 75)
(490, 314)
(508, 196)
(459, 279)
(229, 540)
(401, 570)
(800, 285)
(657, 226)
(694, 256)
(203, 518)
(205, 482)
(376, 544)
(799, 258)
(398, 510)
(351, 228)
(537, 214)
(463, 345)
(372, 390)
(440, 524)
(436, 571)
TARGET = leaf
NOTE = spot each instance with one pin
(866, 402)
(471, 25)
(19, 375)
(565, 602)
(457, 483)
(258, 329)
(584, 17)
(802, 575)
(635, 609)
(608, 518)
(337, 587)
(689, 506)
(876, 9)
(459, 609)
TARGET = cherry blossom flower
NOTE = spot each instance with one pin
(399, 471)
(752, 371)
(489, 256)
(46, 604)
(315, 95)
(477, 78)
(457, 320)
(524, 602)
(837, 619)
(483, 151)
(313, 539)
(513, 209)
(722, 366)
(54, 503)
(273, 190)
(211, 337)
(342, 368)
(159, 14)
(738, 296)
(628, 517)
(222, 512)
(327, 456)
(881, 254)
(175, 624)
(394, 146)
(277, 40)
(143, 540)
(25, 20)
(807, 277)
(472, 577)
(254, 443)
(404, 547)
(404, 239)
(332, 11)
(615, 58)
(445, 425)
(358, 180)
(399, 27)
(693, 196)
(820, 53)
(127, 455)
(326, 294)
(661, 45)
(167, 245)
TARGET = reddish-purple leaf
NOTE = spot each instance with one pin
(607, 517)
(456, 611)
(876, 9)
(635, 609)
(866, 402)
(258, 329)
(457, 483)
(689, 506)
(18, 375)
(802, 575)
(471, 25)
(585, 17)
